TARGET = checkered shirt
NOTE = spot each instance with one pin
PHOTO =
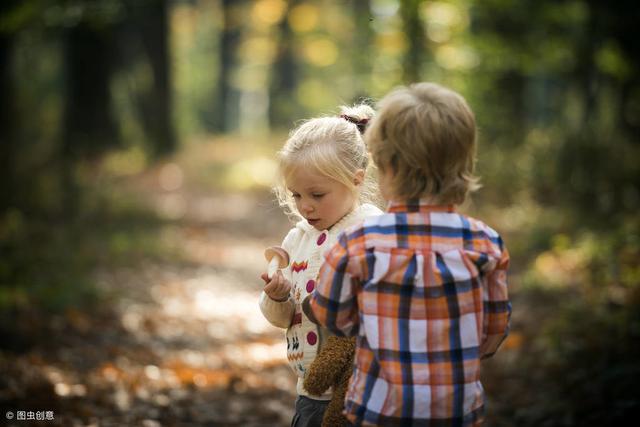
(424, 289)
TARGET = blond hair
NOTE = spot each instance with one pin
(426, 135)
(333, 147)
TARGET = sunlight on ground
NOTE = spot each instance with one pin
(222, 341)
(197, 320)
(213, 298)
(171, 177)
(225, 251)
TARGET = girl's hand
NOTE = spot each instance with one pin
(277, 288)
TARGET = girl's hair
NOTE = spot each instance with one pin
(332, 146)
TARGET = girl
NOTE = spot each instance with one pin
(325, 186)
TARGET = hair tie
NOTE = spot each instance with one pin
(361, 124)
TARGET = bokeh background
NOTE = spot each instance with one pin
(137, 146)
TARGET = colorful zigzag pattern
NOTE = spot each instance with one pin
(297, 267)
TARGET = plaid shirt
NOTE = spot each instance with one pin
(424, 289)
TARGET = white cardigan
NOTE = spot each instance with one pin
(306, 247)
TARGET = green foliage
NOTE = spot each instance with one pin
(581, 354)
(50, 263)
(556, 138)
(38, 269)
(585, 362)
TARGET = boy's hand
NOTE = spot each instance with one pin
(277, 288)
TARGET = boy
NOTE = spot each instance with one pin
(422, 286)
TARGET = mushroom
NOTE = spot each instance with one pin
(277, 258)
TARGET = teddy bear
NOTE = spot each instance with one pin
(332, 367)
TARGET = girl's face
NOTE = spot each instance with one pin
(322, 201)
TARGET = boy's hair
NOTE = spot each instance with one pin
(333, 147)
(426, 135)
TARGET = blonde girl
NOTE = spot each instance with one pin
(325, 186)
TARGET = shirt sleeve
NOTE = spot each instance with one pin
(497, 308)
(279, 314)
(334, 302)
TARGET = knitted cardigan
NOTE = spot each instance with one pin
(306, 247)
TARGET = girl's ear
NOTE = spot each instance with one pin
(358, 177)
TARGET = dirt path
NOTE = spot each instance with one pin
(176, 344)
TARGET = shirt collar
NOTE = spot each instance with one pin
(418, 205)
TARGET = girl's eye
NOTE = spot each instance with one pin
(295, 196)
(318, 195)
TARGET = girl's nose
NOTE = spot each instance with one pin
(307, 207)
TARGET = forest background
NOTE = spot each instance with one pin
(137, 146)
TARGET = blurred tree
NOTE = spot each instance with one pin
(507, 42)
(413, 26)
(98, 39)
(361, 48)
(284, 75)
(229, 39)
(7, 118)
(155, 104)
(620, 19)
(15, 15)
(89, 127)
(580, 57)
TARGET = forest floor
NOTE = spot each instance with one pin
(172, 343)
(178, 343)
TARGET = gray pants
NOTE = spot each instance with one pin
(309, 412)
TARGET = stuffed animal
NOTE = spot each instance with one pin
(332, 367)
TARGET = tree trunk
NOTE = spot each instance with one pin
(284, 76)
(8, 118)
(362, 48)
(414, 31)
(88, 124)
(157, 105)
(229, 37)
